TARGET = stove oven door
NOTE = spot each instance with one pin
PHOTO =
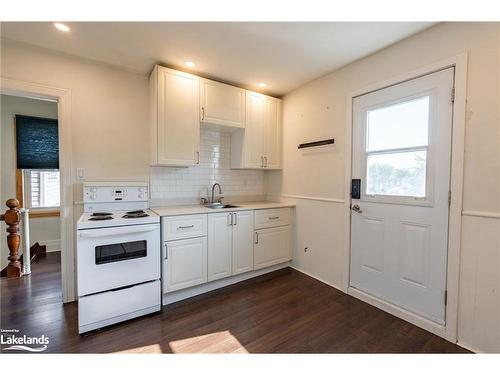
(110, 258)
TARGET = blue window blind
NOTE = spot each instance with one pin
(37, 143)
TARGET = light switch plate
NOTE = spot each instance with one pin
(80, 174)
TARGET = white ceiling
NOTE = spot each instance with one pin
(283, 54)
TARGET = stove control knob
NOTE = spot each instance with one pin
(93, 196)
(141, 195)
(93, 190)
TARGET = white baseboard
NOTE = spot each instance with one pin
(52, 245)
(317, 278)
(179, 295)
(410, 317)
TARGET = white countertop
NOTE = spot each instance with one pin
(199, 209)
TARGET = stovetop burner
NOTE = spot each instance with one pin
(100, 217)
(101, 214)
(135, 214)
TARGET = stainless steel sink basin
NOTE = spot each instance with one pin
(219, 205)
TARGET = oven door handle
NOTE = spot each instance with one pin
(117, 231)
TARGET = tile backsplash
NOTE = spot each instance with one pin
(182, 184)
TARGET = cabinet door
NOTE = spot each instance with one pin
(271, 246)
(178, 118)
(222, 104)
(273, 135)
(185, 263)
(219, 245)
(254, 130)
(243, 242)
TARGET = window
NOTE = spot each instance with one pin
(37, 151)
(41, 188)
(397, 144)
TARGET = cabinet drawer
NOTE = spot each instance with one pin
(273, 217)
(101, 309)
(185, 226)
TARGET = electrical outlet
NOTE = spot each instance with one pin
(306, 249)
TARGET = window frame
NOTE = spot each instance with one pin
(428, 200)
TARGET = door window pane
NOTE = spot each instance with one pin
(400, 174)
(398, 126)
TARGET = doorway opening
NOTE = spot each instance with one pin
(30, 173)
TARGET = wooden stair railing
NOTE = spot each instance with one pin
(12, 218)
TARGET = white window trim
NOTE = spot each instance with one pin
(428, 200)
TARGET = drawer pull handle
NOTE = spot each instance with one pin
(273, 217)
(256, 238)
(186, 227)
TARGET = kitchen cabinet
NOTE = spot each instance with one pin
(259, 145)
(271, 246)
(220, 236)
(184, 263)
(243, 242)
(174, 118)
(222, 105)
(230, 247)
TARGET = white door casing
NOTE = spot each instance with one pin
(399, 240)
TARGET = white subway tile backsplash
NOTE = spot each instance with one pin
(195, 182)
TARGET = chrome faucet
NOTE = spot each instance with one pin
(213, 189)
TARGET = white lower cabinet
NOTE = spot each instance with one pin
(222, 244)
(184, 263)
(271, 246)
(230, 248)
(243, 242)
(219, 245)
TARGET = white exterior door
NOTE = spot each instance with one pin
(242, 242)
(399, 222)
(219, 245)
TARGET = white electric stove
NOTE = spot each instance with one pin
(118, 255)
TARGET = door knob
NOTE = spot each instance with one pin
(357, 209)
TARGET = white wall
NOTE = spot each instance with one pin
(109, 109)
(46, 231)
(317, 110)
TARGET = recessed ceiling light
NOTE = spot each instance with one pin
(262, 84)
(61, 26)
(190, 64)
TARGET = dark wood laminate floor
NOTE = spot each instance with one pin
(283, 312)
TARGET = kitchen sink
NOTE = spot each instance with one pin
(219, 205)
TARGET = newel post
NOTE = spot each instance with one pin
(12, 218)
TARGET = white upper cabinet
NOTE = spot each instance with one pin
(175, 123)
(222, 105)
(180, 102)
(259, 145)
(273, 138)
